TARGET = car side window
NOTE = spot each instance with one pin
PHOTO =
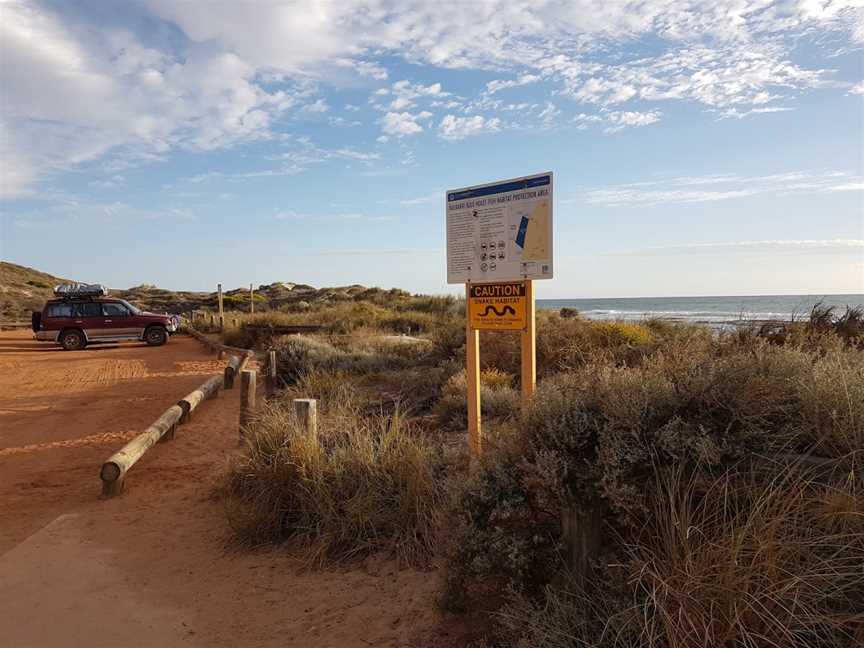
(114, 310)
(88, 310)
(60, 310)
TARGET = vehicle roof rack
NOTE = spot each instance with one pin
(77, 290)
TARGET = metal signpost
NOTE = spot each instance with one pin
(499, 239)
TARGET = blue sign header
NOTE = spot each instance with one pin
(528, 183)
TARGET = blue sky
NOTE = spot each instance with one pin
(698, 147)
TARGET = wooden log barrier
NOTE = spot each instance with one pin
(114, 470)
(306, 411)
(235, 364)
(248, 379)
(191, 400)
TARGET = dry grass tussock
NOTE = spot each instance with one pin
(367, 484)
(722, 561)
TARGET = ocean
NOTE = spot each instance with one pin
(713, 311)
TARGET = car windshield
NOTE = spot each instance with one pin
(132, 309)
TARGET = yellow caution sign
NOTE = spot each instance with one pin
(497, 306)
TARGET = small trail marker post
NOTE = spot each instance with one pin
(251, 300)
(248, 379)
(221, 310)
(272, 374)
(499, 240)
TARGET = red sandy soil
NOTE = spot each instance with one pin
(164, 540)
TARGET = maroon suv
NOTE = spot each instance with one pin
(75, 321)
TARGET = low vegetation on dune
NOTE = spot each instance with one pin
(724, 470)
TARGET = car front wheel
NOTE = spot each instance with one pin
(72, 340)
(155, 336)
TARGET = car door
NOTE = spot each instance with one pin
(58, 316)
(118, 321)
(88, 316)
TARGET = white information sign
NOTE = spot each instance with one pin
(500, 231)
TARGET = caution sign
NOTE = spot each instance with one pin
(497, 306)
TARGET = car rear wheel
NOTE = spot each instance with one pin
(72, 340)
(155, 336)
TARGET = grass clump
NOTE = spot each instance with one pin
(727, 561)
(367, 484)
(499, 401)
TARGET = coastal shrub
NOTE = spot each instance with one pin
(725, 560)
(297, 355)
(367, 484)
(498, 398)
(598, 433)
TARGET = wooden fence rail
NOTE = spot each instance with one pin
(113, 471)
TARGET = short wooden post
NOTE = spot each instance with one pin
(251, 299)
(221, 311)
(247, 399)
(272, 374)
(582, 533)
(228, 378)
(472, 374)
(212, 319)
(529, 346)
(306, 411)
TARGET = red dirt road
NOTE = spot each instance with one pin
(151, 567)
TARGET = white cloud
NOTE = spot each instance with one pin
(73, 94)
(615, 121)
(454, 128)
(400, 124)
(827, 246)
(76, 90)
(436, 196)
(497, 85)
(858, 88)
(621, 120)
(718, 188)
(318, 106)
(741, 114)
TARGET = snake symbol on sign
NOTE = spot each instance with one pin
(504, 311)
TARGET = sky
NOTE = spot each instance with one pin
(698, 148)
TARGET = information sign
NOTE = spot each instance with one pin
(500, 231)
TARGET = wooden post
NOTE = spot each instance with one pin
(582, 533)
(271, 374)
(472, 375)
(529, 346)
(221, 311)
(247, 399)
(228, 378)
(306, 411)
(251, 299)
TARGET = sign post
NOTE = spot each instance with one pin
(472, 379)
(528, 342)
(499, 239)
